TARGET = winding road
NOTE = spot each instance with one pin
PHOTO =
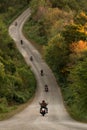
(30, 118)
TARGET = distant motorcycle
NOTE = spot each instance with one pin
(15, 23)
(21, 41)
(31, 58)
(46, 88)
(41, 72)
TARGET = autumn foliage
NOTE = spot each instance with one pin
(78, 46)
(63, 28)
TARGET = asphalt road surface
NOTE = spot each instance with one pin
(30, 118)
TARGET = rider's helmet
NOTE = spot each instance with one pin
(43, 101)
(46, 86)
(41, 71)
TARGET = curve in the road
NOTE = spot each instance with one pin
(30, 119)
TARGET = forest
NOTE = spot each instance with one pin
(17, 82)
(59, 27)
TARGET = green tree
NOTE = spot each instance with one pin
(2, 72)
(74, 33)
(55, 53)
(78, 84)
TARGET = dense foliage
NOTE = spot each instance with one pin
(63, 24)
(17, 82)
(68, 5)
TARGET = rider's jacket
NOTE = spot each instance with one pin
(43, 104)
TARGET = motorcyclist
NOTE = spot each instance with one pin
(43, 104)
(46, 87)
(15, 23)
(41, 72)
(31, 58)
(21, 42)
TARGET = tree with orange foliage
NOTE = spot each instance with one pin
(78, 46)
(74, 33)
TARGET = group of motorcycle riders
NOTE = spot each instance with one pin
(43, 104)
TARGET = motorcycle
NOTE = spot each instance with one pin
(43, 107)
(43, 111)
(41, 72)
(21, 42)
(46, 88)
(31, 58)
(15, 23)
